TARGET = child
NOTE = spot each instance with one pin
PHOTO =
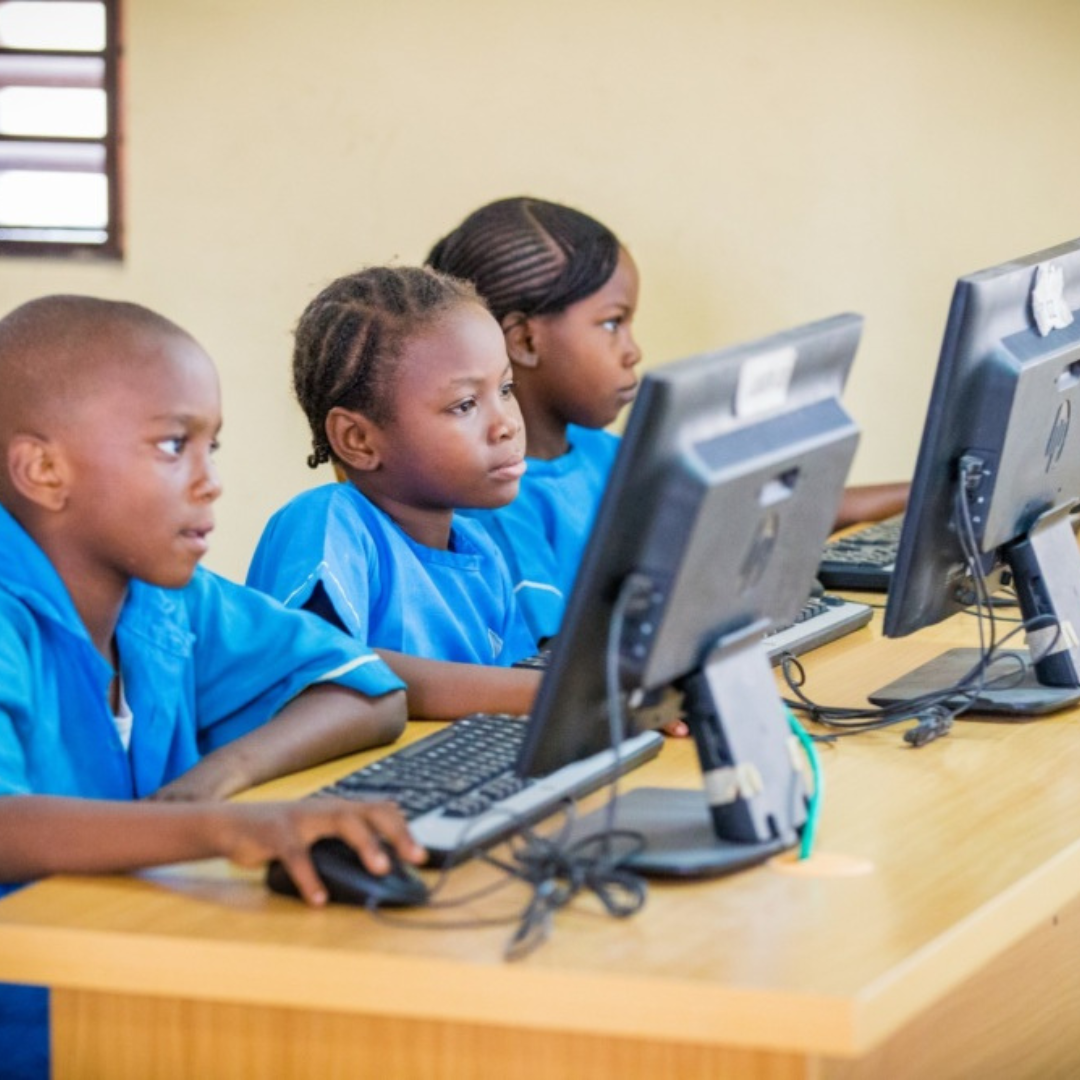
(121, 664)
(404, 378)
(565, 291)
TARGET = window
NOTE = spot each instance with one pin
(59, 129)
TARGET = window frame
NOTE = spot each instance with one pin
(112, 143)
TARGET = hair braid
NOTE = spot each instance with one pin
(350, 337)
(528, 255)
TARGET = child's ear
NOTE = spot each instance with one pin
(353, 438)
(38, 471)
(519, 334)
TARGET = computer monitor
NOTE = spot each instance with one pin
(997, 475)
(726, 485)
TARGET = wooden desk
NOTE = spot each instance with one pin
(957, 954)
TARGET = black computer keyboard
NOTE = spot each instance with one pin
(459, 789)
(864, 558)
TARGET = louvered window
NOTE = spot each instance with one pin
(59, 128)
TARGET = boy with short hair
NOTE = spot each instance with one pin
(125, 672)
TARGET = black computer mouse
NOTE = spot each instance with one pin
(348, 881)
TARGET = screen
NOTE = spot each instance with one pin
(997, 475)
(726, 484)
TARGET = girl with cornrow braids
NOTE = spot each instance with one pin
(565, 291)
(404, 379)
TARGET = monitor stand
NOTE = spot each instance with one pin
(1045, 566)
(1019, 697)
(753, 804)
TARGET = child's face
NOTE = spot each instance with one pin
(142, 482)
(585, 355)
(457, 438)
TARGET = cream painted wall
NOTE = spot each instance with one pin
(767, 164)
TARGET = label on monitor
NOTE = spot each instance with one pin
(763, 382)
(1048, 305)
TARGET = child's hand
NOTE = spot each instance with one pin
(676, 728)
(251, 834)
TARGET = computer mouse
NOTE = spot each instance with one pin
(348, 881)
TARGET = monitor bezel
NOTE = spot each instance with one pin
(931, 580)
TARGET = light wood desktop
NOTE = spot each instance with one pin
(936, 933)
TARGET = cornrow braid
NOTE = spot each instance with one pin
(350, 337)
(528, 255)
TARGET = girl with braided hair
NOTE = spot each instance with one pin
(565, 290)
(404, 379)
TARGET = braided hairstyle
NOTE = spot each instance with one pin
(529, 256)
(351, 336)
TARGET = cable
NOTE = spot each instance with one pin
(935, 711)
(813, 810)
(556, 868)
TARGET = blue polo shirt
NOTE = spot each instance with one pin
(200, 666)
(387, 590)
(543, 532)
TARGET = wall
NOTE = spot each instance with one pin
(766, 163)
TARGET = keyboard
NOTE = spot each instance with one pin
(864, 558)
(823, 618)
(459, 790)
(538, 661)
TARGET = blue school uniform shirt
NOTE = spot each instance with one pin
(387, 590)
(200, 666)
(543, 532)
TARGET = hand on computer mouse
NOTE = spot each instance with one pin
(374, 833)
(347, 880)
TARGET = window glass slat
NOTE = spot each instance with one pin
(54, 199)
(75, 71)
(50, 110)
(32, 24)
(52, 156)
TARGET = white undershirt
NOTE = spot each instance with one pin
(123, 717)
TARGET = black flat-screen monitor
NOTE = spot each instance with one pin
(726, 485)
(997, 476)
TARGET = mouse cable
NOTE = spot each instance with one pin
(526, 864)
(558, 868)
